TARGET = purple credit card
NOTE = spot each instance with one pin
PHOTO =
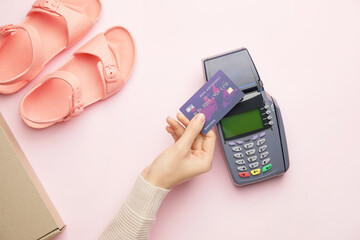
(215, 99)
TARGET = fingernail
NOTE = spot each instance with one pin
(200, 116)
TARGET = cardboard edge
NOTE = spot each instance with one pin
(52, 234)
(35, 180)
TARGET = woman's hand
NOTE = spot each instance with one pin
(191, 154)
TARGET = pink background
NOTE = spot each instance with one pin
(308, 55)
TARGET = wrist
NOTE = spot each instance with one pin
(154, 179)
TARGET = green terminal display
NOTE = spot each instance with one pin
(242, 123)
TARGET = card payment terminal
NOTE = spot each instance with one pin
(252, 133)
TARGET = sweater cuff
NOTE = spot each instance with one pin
(145, 198)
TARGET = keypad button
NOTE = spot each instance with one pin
(248, 145)
(268, 112)
(250, 152)
(238, 155)
(265, 161)
(236, 149)
(244, 174)
(261, 141)
(262, 148)
(269, 117)
(252, 159)
(255, 171)
(271, 123)
(267, 167)
(255, 137)
(247, 139)
(240, 162)
(266, 106)
(254, 165)
(232, 143)
(264, 155)
(242, 168)
(239, 142)
(262, 134)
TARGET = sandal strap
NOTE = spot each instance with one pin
(76, 106)
(7, 29)
(35, 41)
(107, 66)
(76, 21)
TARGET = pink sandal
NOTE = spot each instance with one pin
(96, 71)
(50, 27)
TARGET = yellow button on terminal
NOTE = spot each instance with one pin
(255, 171)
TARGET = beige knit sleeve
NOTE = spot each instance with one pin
(137, 214)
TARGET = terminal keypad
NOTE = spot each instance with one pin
(251, 155)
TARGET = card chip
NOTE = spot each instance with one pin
(189, 108)
(229, 90)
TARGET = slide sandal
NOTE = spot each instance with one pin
(95, 72)
(50, 27)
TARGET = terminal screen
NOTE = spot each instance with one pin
(242, 123)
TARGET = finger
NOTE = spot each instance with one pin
(176, 126)
(192, 130)
(208, 148)
(181, 117)
(209, 141)
(172, 132)
(199, 139)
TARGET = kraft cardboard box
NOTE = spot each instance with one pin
(26, 212)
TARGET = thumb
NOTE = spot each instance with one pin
(192, 130)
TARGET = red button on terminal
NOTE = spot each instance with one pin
(244, 174)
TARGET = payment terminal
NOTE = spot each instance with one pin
(252, 134)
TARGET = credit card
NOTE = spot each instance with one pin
(214, 99)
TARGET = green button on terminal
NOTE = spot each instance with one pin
(267, 167)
